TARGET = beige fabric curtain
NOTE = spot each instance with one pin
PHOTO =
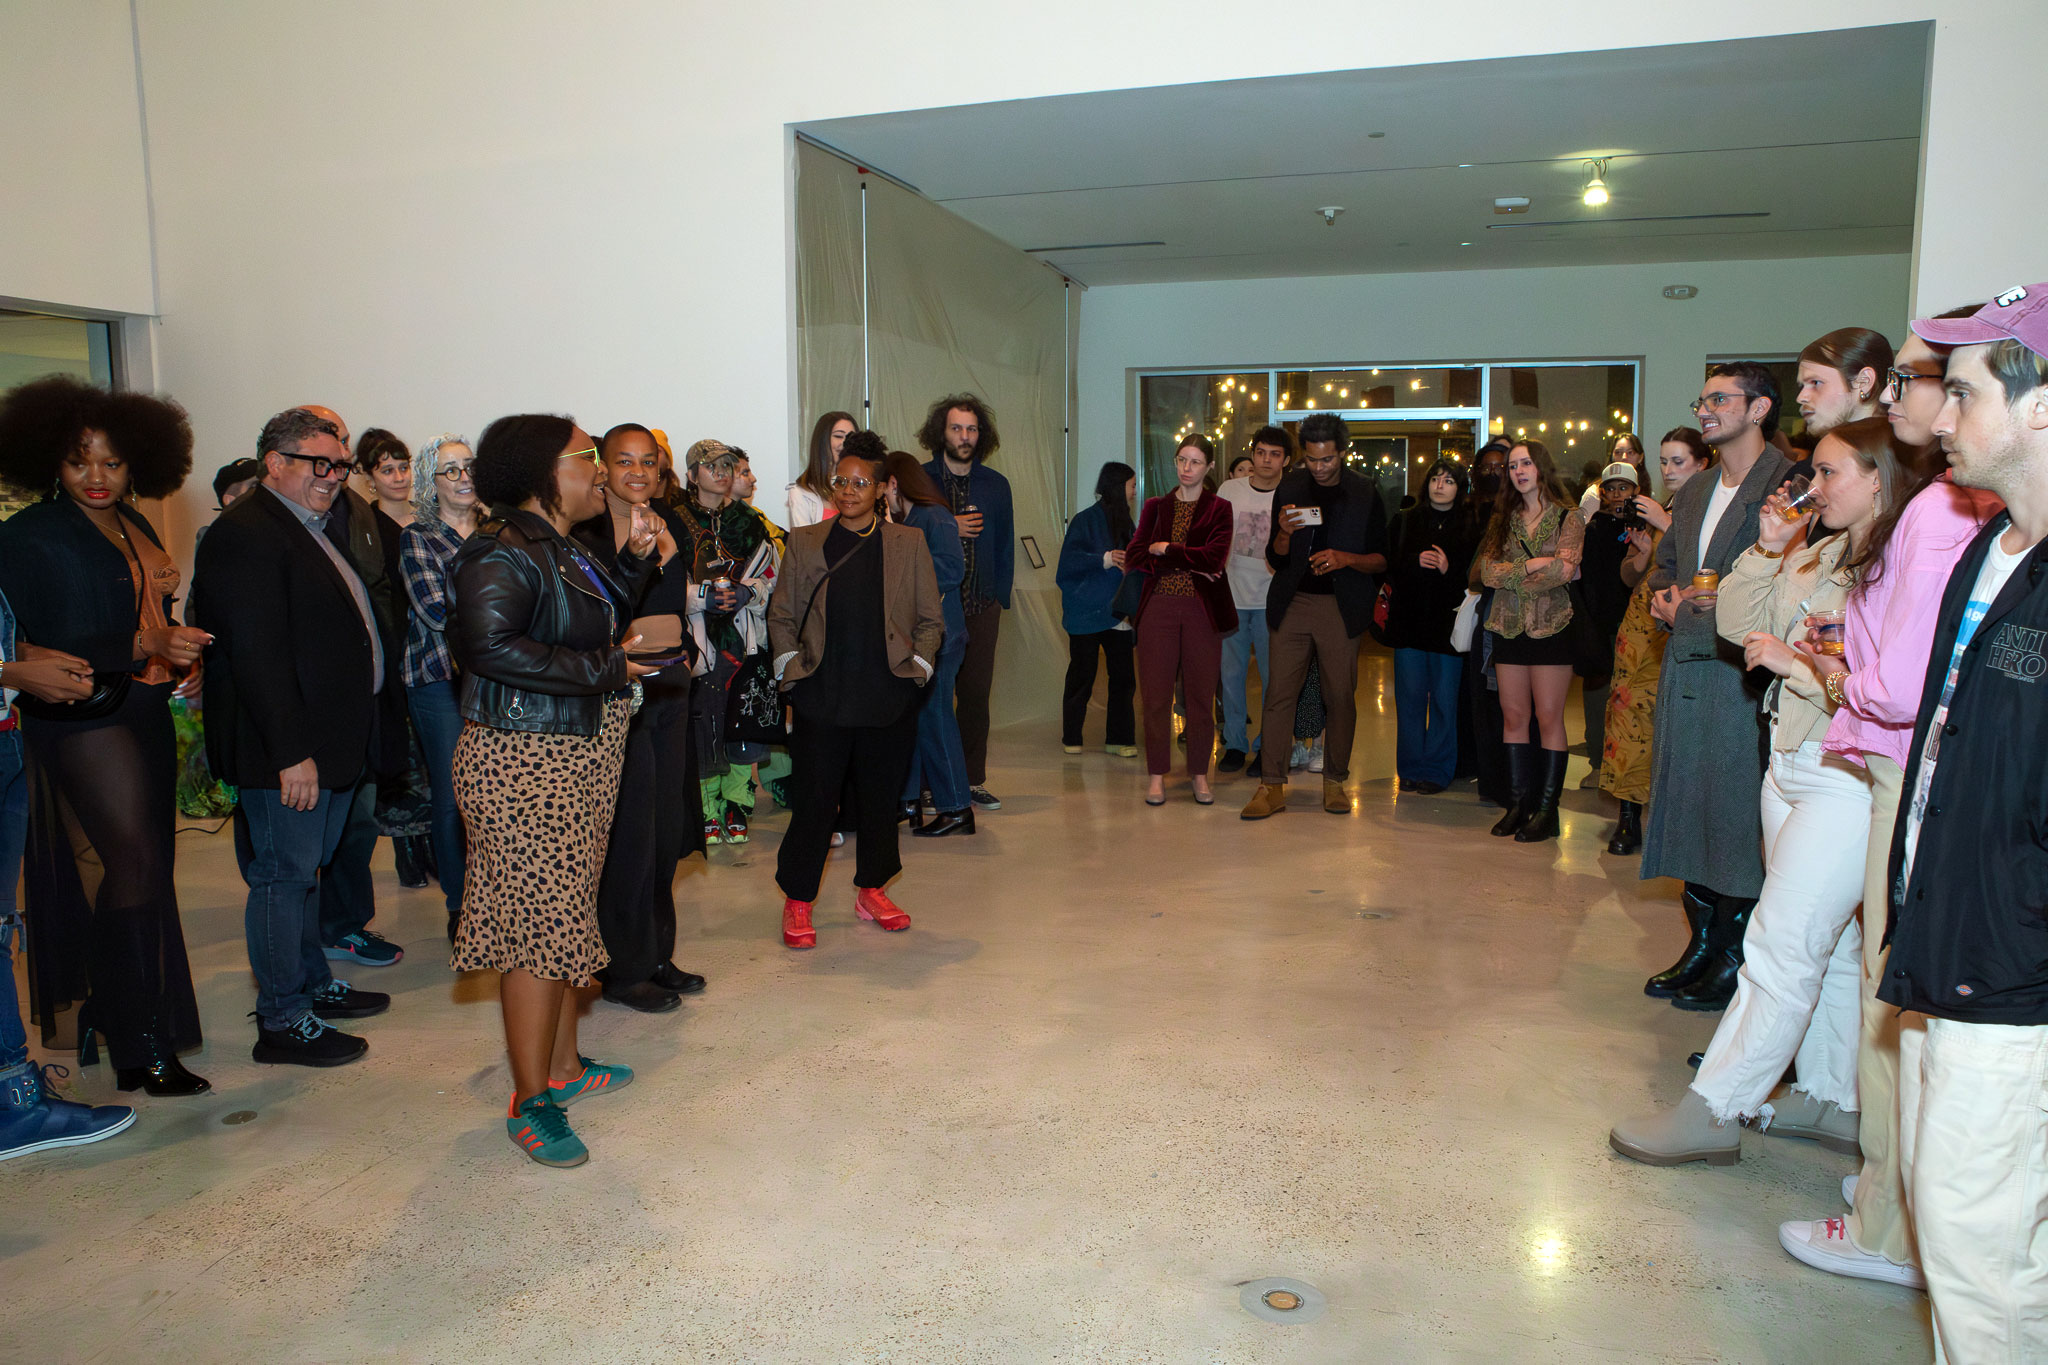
(951, 308)
(828, 297)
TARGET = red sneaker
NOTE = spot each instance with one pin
(796, 925)
(874, 903)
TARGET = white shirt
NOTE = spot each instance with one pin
(1717, 507)
(805, 507)
(1251, 522)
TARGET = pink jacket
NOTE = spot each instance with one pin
(1891, 625)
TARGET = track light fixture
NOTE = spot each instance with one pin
(1596, 184)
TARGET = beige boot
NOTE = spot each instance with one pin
(1269, 799)
(1794, 1113)
(1336, 800)
(1675, 1136)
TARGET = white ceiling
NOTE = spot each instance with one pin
(1817, 133)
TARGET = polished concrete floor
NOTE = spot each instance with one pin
(1126, 1060)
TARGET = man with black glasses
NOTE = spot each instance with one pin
(291, 680)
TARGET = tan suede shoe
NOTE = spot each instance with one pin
(1267, 800)
(1336, 800)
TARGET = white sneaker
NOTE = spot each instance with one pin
(1315, 758)
(838, 839)
(1299, 757)
(1824, 1244)
(1849, 1188)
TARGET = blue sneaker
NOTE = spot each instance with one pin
(372, 950)
(33, 1120)
(542, 1131)
(597, 1078)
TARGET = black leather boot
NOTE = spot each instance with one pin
(1628, 831)
(1521, 788)
(160, 1072)
(1699, 913)
(1713, 988)
(1542, 821)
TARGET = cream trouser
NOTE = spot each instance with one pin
(1797, 992)
(1880, 1223)
(1973, 1143)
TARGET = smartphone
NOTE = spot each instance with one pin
(1308, 516)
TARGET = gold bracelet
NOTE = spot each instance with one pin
(1833, 686)
(1767, 554)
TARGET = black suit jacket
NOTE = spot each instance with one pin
(1358, 524)
(368, 539)
(288, 674)
(70, 586)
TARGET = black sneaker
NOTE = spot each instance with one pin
(983, 797)
(339, 1000)
(307, 1043)
(1232, 760)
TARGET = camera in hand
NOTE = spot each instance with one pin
(1631, 516)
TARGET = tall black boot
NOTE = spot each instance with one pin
(1715, 987)
(407, 856)
(1628, 831)
(1542, 821)
(1699, 913)
(1521, 788)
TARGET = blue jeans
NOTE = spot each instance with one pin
(286, 851)
(939, 763)
(13, 836)
(1238, 649)
(437, 720)
(1426, 715)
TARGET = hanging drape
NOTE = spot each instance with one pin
(949, 308)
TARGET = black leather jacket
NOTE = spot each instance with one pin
(537, 641)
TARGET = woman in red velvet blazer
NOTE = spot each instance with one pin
(1185, 610)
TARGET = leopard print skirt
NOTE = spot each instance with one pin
(538, 811)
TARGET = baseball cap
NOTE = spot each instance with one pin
(706, 451)
(1620, 469)
(2019, 314)
(234, 472)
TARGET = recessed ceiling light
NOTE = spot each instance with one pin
(1464, 165)
(1464, 244)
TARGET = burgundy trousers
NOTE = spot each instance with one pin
(1175, 640)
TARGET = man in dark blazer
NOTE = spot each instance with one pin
(1329, 545)
(348, 898)
(291, 677)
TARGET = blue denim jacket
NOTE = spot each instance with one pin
(995, 549)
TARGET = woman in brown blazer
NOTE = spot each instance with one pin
(855, 624)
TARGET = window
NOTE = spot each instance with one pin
(35, 344)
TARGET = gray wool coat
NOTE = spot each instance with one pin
(1704, 822)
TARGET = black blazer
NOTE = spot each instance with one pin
(372, 546)
(288, 674)
(70, 586)
(1358, 524)
(537, 641)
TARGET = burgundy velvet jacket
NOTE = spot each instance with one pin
(1206, 551)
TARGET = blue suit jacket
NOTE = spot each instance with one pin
(996, 547)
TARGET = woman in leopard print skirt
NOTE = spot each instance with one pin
(547, 691)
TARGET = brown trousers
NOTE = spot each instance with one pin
(1313, 628)
(1881, 1222)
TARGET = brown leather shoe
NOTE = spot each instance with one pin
(1336, 800)
(1269, 799)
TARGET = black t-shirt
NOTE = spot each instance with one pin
(853, 685)
(1329, 498)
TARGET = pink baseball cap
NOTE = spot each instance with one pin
(2019, 314)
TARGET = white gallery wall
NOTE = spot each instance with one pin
(1562, 313)
(428, 212)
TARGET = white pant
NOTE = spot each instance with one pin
(1973, 1146)
(1799, 992)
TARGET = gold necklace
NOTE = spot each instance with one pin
(873, 522)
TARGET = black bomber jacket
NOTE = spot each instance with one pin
(1969, 929)
(537, 640)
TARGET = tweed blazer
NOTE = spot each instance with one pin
(913, 613)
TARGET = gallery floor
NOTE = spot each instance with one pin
(1127, 1060)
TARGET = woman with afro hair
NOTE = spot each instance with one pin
(87, 574)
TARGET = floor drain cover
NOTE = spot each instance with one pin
(1282, 1300)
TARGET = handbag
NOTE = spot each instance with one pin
(1130, 595)
(109, 691)
(1465, 629)
(753, 703)
(1382, 612)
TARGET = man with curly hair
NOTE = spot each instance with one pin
(959, 432)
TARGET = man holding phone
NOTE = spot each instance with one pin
(1329, 544)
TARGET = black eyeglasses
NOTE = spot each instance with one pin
(1896, 380)
(454, 471)
(322, 466)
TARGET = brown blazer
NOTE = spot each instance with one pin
(910, 603)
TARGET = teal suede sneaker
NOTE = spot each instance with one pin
(542, 1131)
(597, 1078)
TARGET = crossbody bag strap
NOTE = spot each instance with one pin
(819, 586)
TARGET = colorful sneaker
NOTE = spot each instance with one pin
(34, 1120)
(1824, 1244)
(873, 903)
(714, 830)
(370, 949)
(542, 1131)
(597, 1078)
(735, 823)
